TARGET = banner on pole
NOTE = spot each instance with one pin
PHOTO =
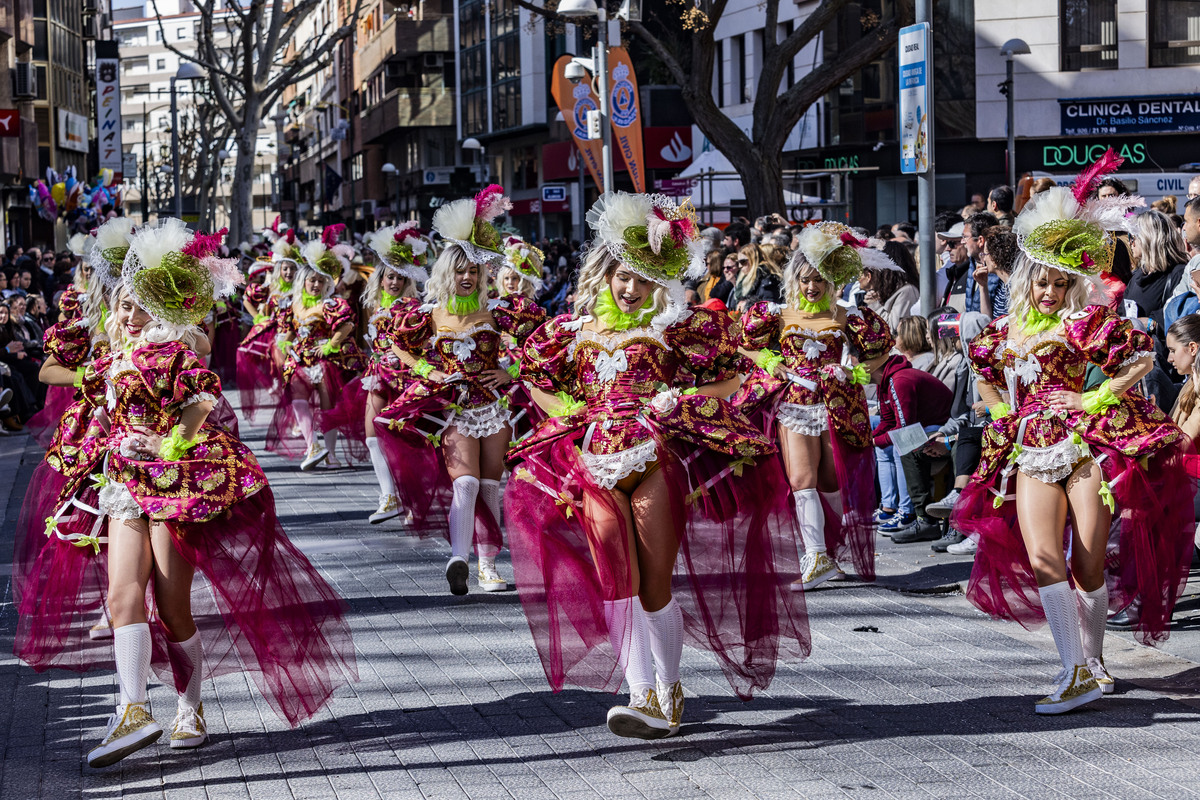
(916, 57)
(575, 101)
(108, 115)
(625, 109)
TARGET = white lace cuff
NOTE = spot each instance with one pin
(1133, 359)
(202, 397)
(609, 469)
(805, 420)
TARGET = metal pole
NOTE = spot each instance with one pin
(1012, 133)
(175, 152)
(582, 203)
(145, 166)
(925, 190)
(605, 125)
(321, 170)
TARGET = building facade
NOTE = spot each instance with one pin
(19, 153)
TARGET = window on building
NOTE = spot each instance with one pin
(1088, 32)
(160, 64)
(131, 124)
(181, 34)
(158, 34)
(737, 70)
(1174, 39)
(789, 72)
(356, 167)
(719, 80)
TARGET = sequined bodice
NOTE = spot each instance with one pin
(1041, 364)
(805, 350)
(314, 326)
(619, 372)
(469, 352)
(132, 404)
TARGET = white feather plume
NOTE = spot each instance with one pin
(381, 240)
(114, 233)
(616, 211)
(697, 265)
(77, 243)
(817, 244)
(150, 244)
(279, 250)
(1112, 213)
(873, 258)
(455, 220)
(1055, 203)
(312, 250)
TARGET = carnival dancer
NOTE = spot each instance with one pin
(645, 470)
(806, 393)
(459, 458)
(521, 275)
(320, 358)
(391, 291)
(259, 360)
(1052, 450)
(67, 343)
(179, 495)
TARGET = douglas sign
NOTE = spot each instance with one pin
(1108, 115)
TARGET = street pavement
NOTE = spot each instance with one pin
(909, 693)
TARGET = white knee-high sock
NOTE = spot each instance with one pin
(812, 520)
(304, 419)
(1058, 601)
(462, 515)
(489, 493)
(834, 499)
(131, 645)
(330, 438)
(666, 639)
(1093, 613)
(195, 655)
(630, 639)
(383, 474)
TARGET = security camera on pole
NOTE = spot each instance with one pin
(576, 71)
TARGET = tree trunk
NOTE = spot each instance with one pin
(241, 211)
(762, 178)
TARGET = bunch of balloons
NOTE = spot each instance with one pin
(64, 195)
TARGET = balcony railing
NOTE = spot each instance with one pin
(401, 37)
(409, 108)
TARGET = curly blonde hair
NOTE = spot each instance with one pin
(440, 286)
(526, 289)
(372, 296)
(1020, 288)
(798, 265)
(595, 273)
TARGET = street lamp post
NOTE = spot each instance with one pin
(474, 144)
(187, 71)
(1013, 47)
(580, 10)
(389, 169)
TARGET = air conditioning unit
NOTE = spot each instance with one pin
(368, 208)
(395, 69)
(26, 80)
(433, 60)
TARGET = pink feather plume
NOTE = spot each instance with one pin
(407, 230)
(1089, 180)
(203, 245)
(849, 238)
(225, 271)
(329, 236)
(290, 236)
(491, 203)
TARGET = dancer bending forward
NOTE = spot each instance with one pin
(1054, 450)
(643, 466)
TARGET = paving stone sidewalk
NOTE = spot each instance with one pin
(909, 693)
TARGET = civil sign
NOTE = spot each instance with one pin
(554, 193)
(916, 57)
(1113, 115)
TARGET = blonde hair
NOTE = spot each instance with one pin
(1158, 243)
(1020, 288)
(594, 277)
(92, 306)
(154, 331)
(372, 296)
(275, 280)
(440, 286)
(302, 276)
(912, 335)
(774, 258)
(798, 265)
(526, 290)
(746, 280)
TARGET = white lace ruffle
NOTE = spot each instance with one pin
(1135, 358)
(480, 423)
(116, 501)
(805, 420)
(1050, 464)
(199, 398)
(370, 383)
(610, 468)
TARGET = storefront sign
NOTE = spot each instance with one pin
(72, 131)
(1109, 115)
(915, 71)
(10, 122)
(1081, 155)
(108, 114)
(668, 147)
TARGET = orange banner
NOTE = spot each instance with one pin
(574, 101)
(625, 110)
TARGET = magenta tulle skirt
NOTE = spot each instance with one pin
(1148, 558)
(423, 484)
(42, 424)
(223, 359)
(849, 536)
(736, 561)
(384, 381)
(260, 607)
(258, 379)
(283, 434)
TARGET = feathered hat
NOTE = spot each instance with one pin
(284, 248)
(78, 244)
(838, 255)
(650, 234)
(401, 248)
(175, 275)
(468, 224)
(108, 252)
(526, 259)
(1067, 229)
(272, 233)
(325, 256)
(261, 264)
